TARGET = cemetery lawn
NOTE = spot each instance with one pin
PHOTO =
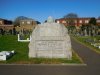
(9, 42)
(83, 39)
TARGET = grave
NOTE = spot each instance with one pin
(50, 40)
(20, 39)
(6, 54)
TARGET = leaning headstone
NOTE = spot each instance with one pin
(50, 40)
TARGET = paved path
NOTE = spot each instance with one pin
(91, 58)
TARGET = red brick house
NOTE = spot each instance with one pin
(76, 21)
(98, 22)
(6, 24)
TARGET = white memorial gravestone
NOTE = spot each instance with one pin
(50, 40)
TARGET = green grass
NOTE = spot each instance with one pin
(82, 40)
(9, 42)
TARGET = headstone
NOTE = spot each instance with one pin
(6, 54)
(85, 32)
(50, 40)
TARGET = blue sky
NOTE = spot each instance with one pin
(41, 9)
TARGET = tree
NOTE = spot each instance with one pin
(92, 21)
(2, 31)
(17, 20)
(99, 17)
(71, 22)
(71, 15)
(38, 22)
(14, 31)
(93, 26)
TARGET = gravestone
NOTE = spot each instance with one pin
(50, 40)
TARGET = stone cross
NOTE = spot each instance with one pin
(50, 20)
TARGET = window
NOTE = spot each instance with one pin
(0, 22)
(28, 22)
(64, 21)
(75, 21)
(57, 21)
(80, 21)
(22, 22)
(86, 21)
(98, 21)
